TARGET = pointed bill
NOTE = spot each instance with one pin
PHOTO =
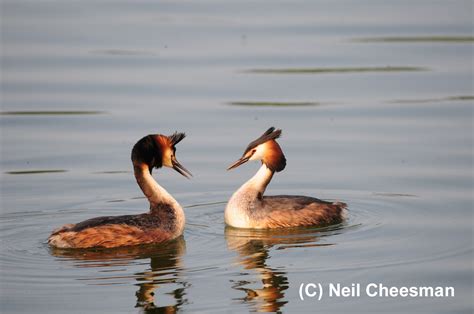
(238, 163)
(180, 168)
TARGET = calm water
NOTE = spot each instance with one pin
(375, 99)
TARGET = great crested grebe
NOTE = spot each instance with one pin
(248, 208)
(164, 221)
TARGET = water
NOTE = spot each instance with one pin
(375, 99)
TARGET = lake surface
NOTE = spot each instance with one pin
(375, 99)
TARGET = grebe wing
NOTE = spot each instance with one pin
(292, 211)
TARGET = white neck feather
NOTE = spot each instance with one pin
(258, 183)
(154, 192)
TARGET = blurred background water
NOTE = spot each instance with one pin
(375, 99)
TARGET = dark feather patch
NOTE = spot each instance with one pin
(147, 151)
(269, 134)
(276, 160)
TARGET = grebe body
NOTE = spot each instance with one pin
(249, 208)
(165, 220)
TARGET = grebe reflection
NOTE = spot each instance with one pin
(165, 270)
(253, 248)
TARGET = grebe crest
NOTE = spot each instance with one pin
(165, 220)
(248, 208)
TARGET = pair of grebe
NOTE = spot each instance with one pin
(247, 208)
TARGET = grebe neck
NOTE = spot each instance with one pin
(155, 193)
(258, 183)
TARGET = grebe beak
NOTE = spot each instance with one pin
(238, 162)
(180, 168)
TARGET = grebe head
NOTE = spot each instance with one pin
(266, 149)
(157, 150)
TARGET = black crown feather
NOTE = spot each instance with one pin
(270, 134)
